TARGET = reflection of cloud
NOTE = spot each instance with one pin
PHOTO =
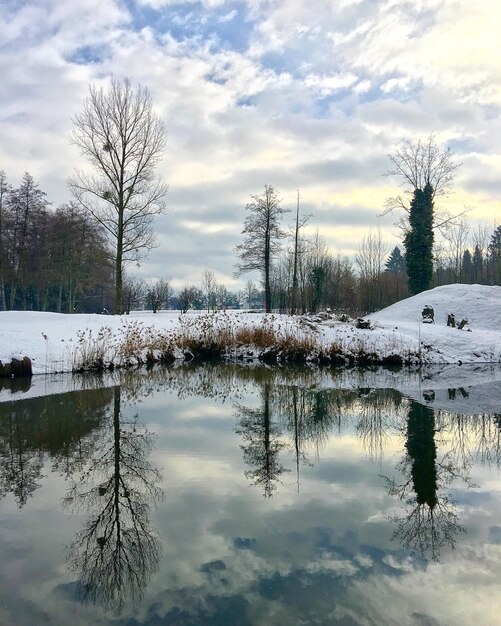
(393, 600)
(231, 556)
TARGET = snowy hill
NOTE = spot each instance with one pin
(480, 304)
(479, 342)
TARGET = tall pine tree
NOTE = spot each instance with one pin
(478, 265)
(418, 241)
(494, 251)
(395, 262)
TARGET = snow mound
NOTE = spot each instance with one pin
(479, 304)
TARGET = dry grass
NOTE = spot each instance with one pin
(259, 336)
(221, 337)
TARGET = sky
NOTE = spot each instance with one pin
(300, 95)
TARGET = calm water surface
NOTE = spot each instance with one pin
(232, 495)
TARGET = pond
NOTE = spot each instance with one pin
(251, 495)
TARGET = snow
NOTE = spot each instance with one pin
(479, 304)
(51, 340)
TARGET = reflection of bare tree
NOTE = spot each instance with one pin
(471, 435)
(489, 439)
(262, 444)
(20, 462)
(308, 416)
(376, 406)
(297, 417)
(116, 552)
(431, 520)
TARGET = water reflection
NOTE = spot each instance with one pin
(105, 459)
(431, 520)
(303, 419)
(58, 425)
(117, 551)
(224, 553)
(262, 444)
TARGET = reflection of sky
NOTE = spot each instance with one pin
(322, 555)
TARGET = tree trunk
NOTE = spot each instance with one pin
(293, 307)
(118, 267)
(3, 301)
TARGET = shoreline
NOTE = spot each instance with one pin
(56, 342)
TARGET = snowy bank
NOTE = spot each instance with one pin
(58, 342)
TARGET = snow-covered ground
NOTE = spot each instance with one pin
(53, 340)
(479, 304)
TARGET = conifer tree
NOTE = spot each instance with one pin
(419, 240)
(395, 262)
(467, 273)
(495, 256)
(478, 264)
(263, 235)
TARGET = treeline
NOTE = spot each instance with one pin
(50, 260)
(376, 277)
(467, 256)
(59, 260)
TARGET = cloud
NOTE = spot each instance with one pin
(289, 93)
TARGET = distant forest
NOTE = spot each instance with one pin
(59, 260)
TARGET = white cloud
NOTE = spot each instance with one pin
(314, 95)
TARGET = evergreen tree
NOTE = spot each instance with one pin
(395, 262)
(5, 190)
(419, 240)
(467, 271)
(25, 245)
(318, 276)
(478, 264)
(495, 257)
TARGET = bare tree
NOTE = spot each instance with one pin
(123, 140)
(419, 164)
(457, 239)
(133, 293)
(250, 293)
(209, 288)
(186, 296)
(370, 258)
(300, 223)
(158, 294)
(223, 297)
(480, 238)
(262, 237)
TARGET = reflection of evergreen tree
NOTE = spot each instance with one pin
(431, 520)
(116, 552)
(422, 452)
(262, 444)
